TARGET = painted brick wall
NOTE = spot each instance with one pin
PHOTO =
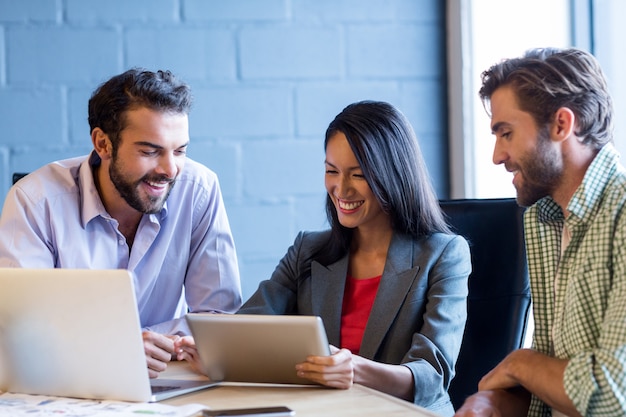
(268, 76)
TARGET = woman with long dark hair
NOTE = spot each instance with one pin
(389, 279)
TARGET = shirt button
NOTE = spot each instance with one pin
(121, 242)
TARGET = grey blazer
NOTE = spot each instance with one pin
(419, 312)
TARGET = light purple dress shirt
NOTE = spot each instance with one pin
(183, 257)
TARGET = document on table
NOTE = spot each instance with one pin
(18, 405)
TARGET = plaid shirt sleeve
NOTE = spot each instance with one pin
(595, 378)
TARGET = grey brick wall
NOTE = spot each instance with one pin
(268, 76)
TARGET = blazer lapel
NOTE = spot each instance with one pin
(397, 279)
(327, 288)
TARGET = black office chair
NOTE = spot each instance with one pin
(18, 175)
(499, 290)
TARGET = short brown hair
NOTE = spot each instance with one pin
(135, 88)
(547, 79)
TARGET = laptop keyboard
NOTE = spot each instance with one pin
(162, 388)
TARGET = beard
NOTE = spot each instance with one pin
(541, 170)
(129, 190)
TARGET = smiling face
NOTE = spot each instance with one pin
(148, 159)
(526, 151)
(350, 193)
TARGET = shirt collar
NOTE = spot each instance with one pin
(90, 198)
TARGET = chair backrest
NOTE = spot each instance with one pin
(18, 175)
(499, 289)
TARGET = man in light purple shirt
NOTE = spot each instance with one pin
(136, 202)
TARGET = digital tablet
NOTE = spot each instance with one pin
(256, 348)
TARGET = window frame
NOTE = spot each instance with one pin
(461, 106)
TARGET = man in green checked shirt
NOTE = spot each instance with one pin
(552, 116)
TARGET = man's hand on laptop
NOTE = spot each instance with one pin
(160, 349)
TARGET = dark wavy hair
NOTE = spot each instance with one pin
(135, 88)
(546, 79)
(388, 153)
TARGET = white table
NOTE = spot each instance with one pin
(358, 401)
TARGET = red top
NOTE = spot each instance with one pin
(358, 299)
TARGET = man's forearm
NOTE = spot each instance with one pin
(540, 374)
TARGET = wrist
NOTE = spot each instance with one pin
(520, 362)
(358, 370)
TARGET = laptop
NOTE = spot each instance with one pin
(256, 348)
(76, 333)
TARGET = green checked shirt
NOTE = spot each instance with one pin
(579, 301)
